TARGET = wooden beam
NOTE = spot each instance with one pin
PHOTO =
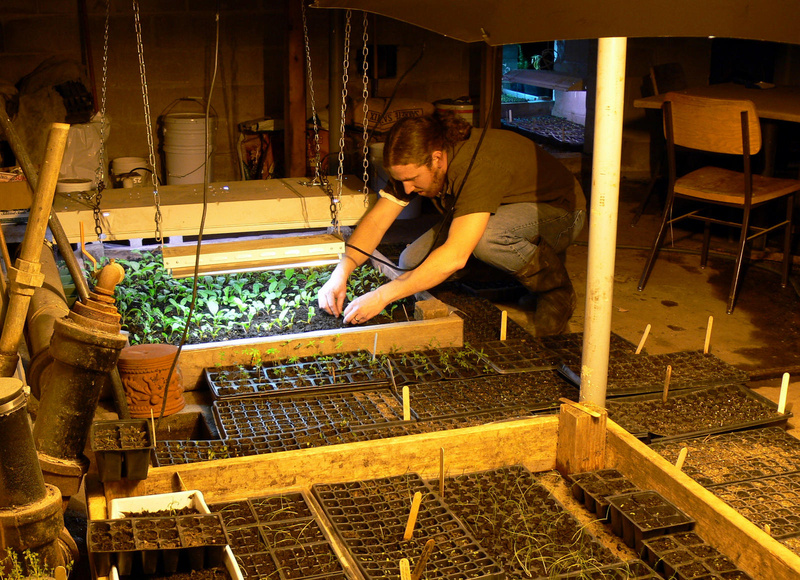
(581, 438)
(235, 206)
(398, 336)
(295, 93)
(753, 550)
(491, 70)
(529, 441)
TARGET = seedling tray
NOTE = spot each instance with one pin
(771, 500)
(633, 570)
(530, 391)
(686, 555)
(695, 412)
(301, 375)
(640, 515)
(501, 290)
(636, 374)
(191, 451)
(569, 347)
(438, 364)
(370, 517)
(519, 355)
(593, 487)
(122, 448)
(307, 561)
(739, 456)
(247, 417)
(521, 524)
(110, 542)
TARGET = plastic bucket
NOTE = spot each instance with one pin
(464, 108)
(184, 147)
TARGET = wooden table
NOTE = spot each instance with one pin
(779, 103)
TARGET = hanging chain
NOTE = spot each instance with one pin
(317, 160)
(336, 201)
(146, 103)
(365, 96)
(100, 172)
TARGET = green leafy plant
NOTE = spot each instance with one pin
(16, 566)
(154, 306)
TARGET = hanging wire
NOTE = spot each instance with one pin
(146, 103)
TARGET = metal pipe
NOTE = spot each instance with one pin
(32, 175)
(26, 275)
(48, 304)
(603, 223)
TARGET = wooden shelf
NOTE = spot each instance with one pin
(544, 78)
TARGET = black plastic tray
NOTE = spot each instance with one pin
(519, 355)
(370, 518)
(516, 519)
(264, 415)
(771, 500)
(352, 370)
(640, 515)
(569, 347)
(593, 487)
(687, 555)
(439, 364)
(737, 456)
(633, 570)
(701, 409)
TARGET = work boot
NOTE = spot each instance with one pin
(546, 277)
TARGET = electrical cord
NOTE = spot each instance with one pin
(193, 303)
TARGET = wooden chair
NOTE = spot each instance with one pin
(730, 127)
(664, 78)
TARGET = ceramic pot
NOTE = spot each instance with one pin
(143, 369)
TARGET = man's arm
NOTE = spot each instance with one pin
(464, 234)
(367, 236)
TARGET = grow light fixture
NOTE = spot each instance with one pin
(254, 255)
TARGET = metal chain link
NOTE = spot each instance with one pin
(100, 172)
(365, 96)
(317, 160)
(146, 103)
(336, 201)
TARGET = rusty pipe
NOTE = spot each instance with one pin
(60, 237)
(30, 510)
(26, 275)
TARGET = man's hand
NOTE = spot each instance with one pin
(365, 307)
(332, 294)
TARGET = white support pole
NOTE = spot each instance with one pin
(603, 218)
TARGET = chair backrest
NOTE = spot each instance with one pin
(667, 77)
(712, 124)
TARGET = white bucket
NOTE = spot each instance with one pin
(121, 167)
(463, 108)
(184, 147)
(74, 185)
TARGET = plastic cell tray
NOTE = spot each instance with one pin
(124, 459)
(738, 456)
(773, 501)
(695, 412)
(265, 415)
(521, 524)
(569, 347)
(519, 355)
(307, 561)
(370, 517)
(633, 570)
(438, 365)
(593, 487)
(687, 555)
(640, 515)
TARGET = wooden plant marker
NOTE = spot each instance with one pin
(707, 345)
(768, 529)
(419, 569)
(406, 404)
(441, 472)
(681, 457)
(61, 572)
(375, 347)
(412, 516)
(405, 569)
(784, 392)
(666, 384)
(503, 324)
(643, 339)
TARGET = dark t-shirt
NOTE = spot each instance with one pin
(509, 168)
